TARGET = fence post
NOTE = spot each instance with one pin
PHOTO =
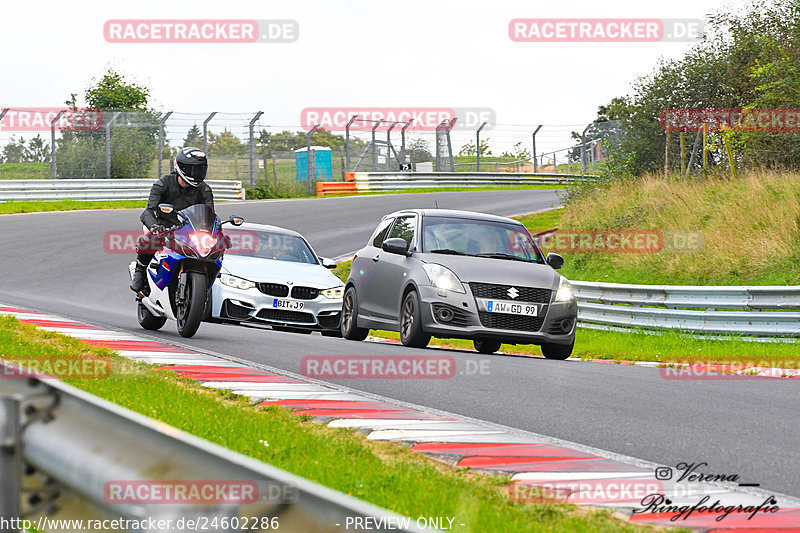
(274, 173)
(308, 157)
(10, 459)
(374, 155)
(2, 114)
(53, 144)
(403, 142)
(535, 162)
(682, 136)
(583, 149)
(252, 145)
(478, 147)
(388, 145)
(666, 152)
(161, 141)
(205, 131)
(555, 163)
(108, 143)
(347, 141)
(705, 146)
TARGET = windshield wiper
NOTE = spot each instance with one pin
(448, 251)
(500, 255)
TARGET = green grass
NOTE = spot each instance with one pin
(25, 171)
(383, 473)
(35, 206)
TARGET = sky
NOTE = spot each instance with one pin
(350, 53)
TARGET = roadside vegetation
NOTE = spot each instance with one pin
(36, 206)
(383, 473)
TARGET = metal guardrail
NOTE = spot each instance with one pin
(101, 189)
(385, 181)
(80, 443)
(756, 311)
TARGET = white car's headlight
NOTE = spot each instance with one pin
(236, 282)
(443, 278)
(564, 292)
(334, 293)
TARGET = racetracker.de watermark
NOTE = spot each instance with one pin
(604, 30)
(619, 241)
(780, 120)
(56, 368)
(25, 119)
(200, 31)
(243, 242)
(736, 370)
(420, 118)
(381, 367)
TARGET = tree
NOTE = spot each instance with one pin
(469, 149)
(519, 153)
(14, 151)
(418, 152)
(134, 133)
(194, 137)
(37, 150)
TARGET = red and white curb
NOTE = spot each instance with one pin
(568, 471)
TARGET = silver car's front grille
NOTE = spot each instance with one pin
(304, 293)
(511, 292)
(274, 289)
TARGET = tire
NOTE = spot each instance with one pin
(191, 313)
(487, 346)
(147, 319)
(557, 351)
(332, 333)
(348, 325)
(411, 332)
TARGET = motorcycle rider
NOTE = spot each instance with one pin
(183, 187)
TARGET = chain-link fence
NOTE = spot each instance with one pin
(286, 159)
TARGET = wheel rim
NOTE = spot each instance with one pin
(347, 311)
(408, 317)
(183, 309)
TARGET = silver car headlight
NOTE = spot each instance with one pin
(236, 282)
(334, 293)
(564, 292)
(443, 278)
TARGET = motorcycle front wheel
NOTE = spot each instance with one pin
(190, 312)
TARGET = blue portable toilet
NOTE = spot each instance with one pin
(322, 163)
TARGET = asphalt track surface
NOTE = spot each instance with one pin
(55, 262)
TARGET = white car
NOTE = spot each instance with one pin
(271, 275)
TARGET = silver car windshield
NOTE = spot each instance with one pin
(277, 246)
(482, 238)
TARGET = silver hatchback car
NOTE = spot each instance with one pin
(459, 274)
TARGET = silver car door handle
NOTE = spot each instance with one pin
(375, 259)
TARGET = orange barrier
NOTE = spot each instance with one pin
(336, 187)
(349, 176)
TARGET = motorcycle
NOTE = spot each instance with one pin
(187, 260)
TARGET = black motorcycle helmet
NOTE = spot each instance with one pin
(191, 165)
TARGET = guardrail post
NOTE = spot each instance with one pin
(10, 460)
(251, 143)
(108, 144)
(347, 141)
(478, 148)
(53, 145)
(535, 162)
(161, 141)
(205, 130)
(2, 114)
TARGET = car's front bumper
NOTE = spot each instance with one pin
(554, 325)
(251, 305)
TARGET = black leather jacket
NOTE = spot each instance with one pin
(167, 191)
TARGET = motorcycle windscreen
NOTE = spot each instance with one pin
(201, 216)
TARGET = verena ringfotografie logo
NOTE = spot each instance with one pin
(201, 31)
(421, 118)
(786, 120)
(23, 119)
(604, 30)
(378, 367)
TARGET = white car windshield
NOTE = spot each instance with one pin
(482, 238)
(278, 246)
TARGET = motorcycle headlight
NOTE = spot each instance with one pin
(236, 282)
(564, 292)
(203, 241)
(443, 278)
(334, 293)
